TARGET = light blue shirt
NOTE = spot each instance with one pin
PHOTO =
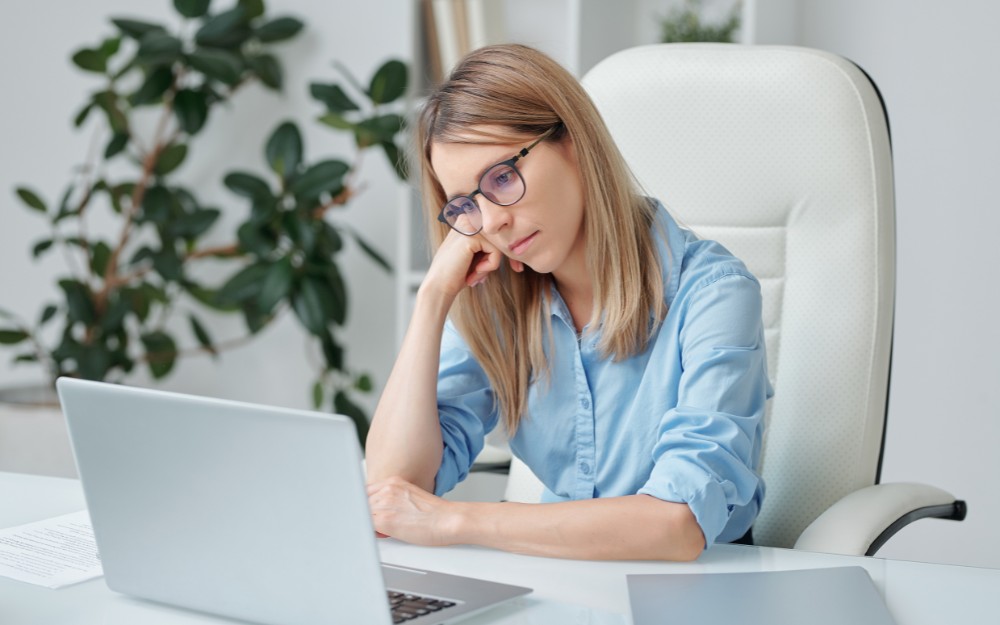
(683, 421)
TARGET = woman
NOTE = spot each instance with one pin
(624, 356)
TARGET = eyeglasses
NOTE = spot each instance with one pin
(502, 184)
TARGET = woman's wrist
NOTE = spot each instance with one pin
(436, 300)
(464, 521)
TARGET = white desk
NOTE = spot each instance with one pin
(566, 591)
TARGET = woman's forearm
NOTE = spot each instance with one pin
(405, 435)
(635, 527)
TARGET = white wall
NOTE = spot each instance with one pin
(939, 72)
(43, 91)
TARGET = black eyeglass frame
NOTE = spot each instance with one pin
(479, 187)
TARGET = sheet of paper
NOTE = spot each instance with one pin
(53, 553)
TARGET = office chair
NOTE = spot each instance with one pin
(783, 155)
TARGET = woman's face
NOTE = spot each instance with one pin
(544, 228)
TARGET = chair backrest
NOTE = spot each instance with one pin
(783, 155)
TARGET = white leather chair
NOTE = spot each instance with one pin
(783, 154)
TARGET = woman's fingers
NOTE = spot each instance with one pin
(407, 512)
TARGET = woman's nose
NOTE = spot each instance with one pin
(495, 217)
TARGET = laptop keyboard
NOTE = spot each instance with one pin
(407, 606)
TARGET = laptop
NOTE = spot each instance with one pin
(244, 511)
(830, 596)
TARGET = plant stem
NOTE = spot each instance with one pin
(138, 193)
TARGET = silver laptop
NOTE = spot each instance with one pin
(832, 596)
(245, 511)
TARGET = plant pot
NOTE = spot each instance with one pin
(33, 434)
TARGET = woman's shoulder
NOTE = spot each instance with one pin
(690, 261)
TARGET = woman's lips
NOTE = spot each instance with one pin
(518, 247)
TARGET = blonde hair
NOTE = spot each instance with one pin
(523, 91)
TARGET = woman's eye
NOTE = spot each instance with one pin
(502, 178)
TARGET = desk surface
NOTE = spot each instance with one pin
(566, 591)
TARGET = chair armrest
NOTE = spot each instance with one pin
(861, 522)
(492, 459)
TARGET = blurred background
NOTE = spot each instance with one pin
(937, 66)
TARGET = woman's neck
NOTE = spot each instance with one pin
(576, 288)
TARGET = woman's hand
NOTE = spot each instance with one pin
(461, 261)
(402, 510)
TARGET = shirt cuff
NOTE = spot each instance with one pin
(683, 482)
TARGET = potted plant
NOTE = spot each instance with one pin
(122, 288)
(687, 24)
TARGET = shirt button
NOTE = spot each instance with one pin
(585, 403)
(584, 468)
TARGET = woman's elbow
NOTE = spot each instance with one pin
(681, 539)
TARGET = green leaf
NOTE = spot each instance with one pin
(156, 84)
(118, 143)
(41, 247)
(191, 109)
(26, 358)
(82, 115)
(192, 8)
(279, 29)
(335, 295)
(195, 224)
(158, 48)
(100, 254)
(90, 60)
(255, 239)
(383, 127)
(388, 83)
(342, 405)
(307, 302)
(30, 198)
(135, 28)
(397, 159)
(301, 230)
(224, 30)
(190, 225)
(110, 46)
(202, 335)
(168, 264)
(329, 239)
(363, 383)
(372, 253)
(332, 352)
(208, 297)
(249, 186)
(12, 337)
(244, 285)
(284, 150)
(325, 176)
(335, 99)
(277, 284)
(157, 205)
(93, 361)
(255, 319)
(108, 102)
(47, 314)
(114, 318)
(317, 394)
(79, 300)
(221, 65)
(253, 8)
(161, 352)
(267, 69)
(337, 121)
(170, 158)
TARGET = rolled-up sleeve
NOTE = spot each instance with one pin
(708, 445)
(465, 409)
